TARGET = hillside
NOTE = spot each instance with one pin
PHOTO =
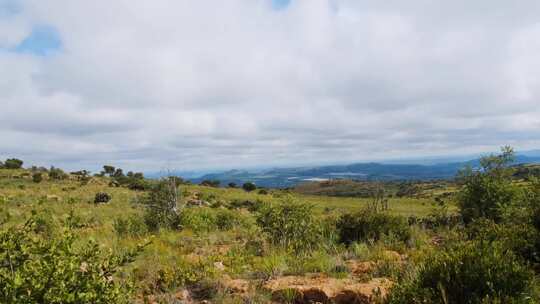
(290, 177)
(123, 238)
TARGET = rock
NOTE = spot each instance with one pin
(327, 290)
(54, 198)
(183, 295)
(197, 202)
(236, 286)
(219, 266)
(359, 268)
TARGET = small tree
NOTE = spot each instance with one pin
(487, 189)
(13, 163)
(249, 186)
(232, 185)
(109, 170)
(162, 210)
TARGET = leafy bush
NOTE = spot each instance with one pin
(290, 224)
(57, 173)
(37, 177)
(101, 198)
(366, 225)
(161, 206)
(477, 272)
(249, 186)
(37, 270)
(133, 226)
(486, 190)
(13, 163)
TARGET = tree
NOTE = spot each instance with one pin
(109, 169)
(249, 186)
(487, 189)
(13, 163)
(232, 185)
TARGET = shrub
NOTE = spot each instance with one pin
(249, 186)
(486, 190)
(37, 270)
(366, 226)
(231, 185)
(477, 272)
(57, 173)
(13, 163)
(290, 224)
(101, 198)
(37, 177)
(263, 191)
(133, 226)
(161, 206)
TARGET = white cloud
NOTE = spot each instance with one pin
(203, 84)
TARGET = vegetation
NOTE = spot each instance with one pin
(249, 186)
(13, 163)
(472, 240)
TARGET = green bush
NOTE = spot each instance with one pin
(13, 163)
(133, 226)
(37, 270)
(474, 272)
(102, 198)
(366, 225)
(249, 186)
(488, 189)
(37, 177)
(291, 225)
(57, 173)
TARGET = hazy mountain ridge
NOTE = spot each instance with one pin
(288, 177)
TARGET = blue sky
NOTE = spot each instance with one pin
(42, 41)
(280, 4)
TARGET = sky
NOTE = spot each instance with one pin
(205, 84)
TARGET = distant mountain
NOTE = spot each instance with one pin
(288, 177)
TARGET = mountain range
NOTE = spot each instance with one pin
(393, 171)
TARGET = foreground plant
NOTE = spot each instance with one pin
(34, 269)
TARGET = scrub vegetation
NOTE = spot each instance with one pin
(116, 237)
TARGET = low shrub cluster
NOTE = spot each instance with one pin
(472, 272)
(367, 225)
(290, 224)
(133, 226)
(53, 270)
(102, 198)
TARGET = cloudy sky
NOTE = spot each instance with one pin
(206, 84)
